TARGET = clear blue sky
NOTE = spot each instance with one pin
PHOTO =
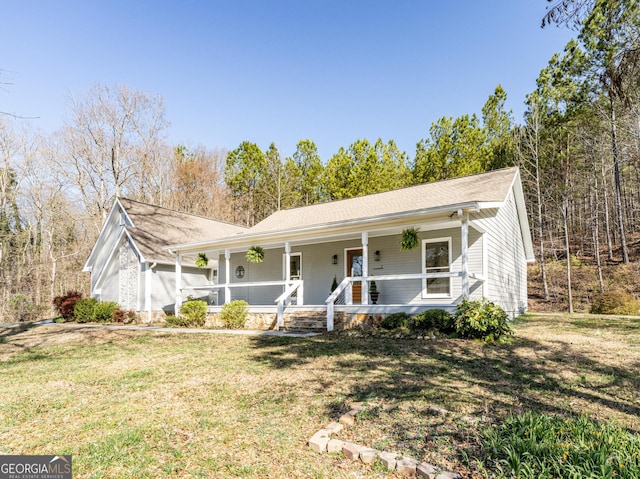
(278, 71)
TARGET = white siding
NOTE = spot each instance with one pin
(507, 268)
(163, 285)
(111, 231)
(110, 282)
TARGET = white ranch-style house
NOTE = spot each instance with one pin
(473, 242)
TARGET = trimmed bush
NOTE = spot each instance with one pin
(234, 314)
(481, 319)
(433, 319)
(173, 321)
(66, 303)
(614, 302)
(84, 310)
(395, 320)
(123, 316)
(103, 312)
(193, 313)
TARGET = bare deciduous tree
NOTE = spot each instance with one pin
(113, 140)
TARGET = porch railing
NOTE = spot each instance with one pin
(342, 295)
(339, 292)
(285, 299)
(297, 293)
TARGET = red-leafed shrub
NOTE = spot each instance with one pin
(124, 316)
(66, 303)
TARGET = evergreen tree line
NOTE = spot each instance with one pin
(261, 182)
(578, 148)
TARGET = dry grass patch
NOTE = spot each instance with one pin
(151, 405)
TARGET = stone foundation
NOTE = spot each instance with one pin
(342, 321)
(262, 321)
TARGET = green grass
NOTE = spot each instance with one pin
(154, 405)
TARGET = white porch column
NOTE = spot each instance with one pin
(464, 240)
(365, 268)
(178, 282)
(227, 276)
(148, 272)
(287, 263)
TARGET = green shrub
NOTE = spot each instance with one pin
(84, 310)
(395, 320)
(234, 314)
(123, 316)
(433, 319)
(614, 302)
(173, 321)
(193, 313)
(481, 319)
(103, 312)
(532, 445)
(66, 303)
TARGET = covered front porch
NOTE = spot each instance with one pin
(341, 272)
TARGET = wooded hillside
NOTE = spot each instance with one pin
(578, 148)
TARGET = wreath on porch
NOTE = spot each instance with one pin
(409, 239)
(255, 254)
(202, 260)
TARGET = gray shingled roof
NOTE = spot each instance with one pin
(486, 187)
(156, 228)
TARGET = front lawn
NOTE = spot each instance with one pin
(151, 405)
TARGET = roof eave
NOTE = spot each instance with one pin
(308, 231)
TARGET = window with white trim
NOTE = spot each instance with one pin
(436, 258)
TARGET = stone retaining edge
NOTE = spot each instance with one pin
(322, 441)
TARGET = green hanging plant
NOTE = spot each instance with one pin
(202, 260)
(255, 254)
(409, 239)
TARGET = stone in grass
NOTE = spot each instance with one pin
(388, 459)
(448, 475)
(347, 419)
(358, 406)
(368, 456)
(437, 411)
(319, 441)
(335, 445)
(426, 470)
(407, 466)
(334, 427)
(351, 451)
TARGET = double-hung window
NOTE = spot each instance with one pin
(436, 258)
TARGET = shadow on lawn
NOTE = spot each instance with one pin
(33, 342)
(496, 380)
